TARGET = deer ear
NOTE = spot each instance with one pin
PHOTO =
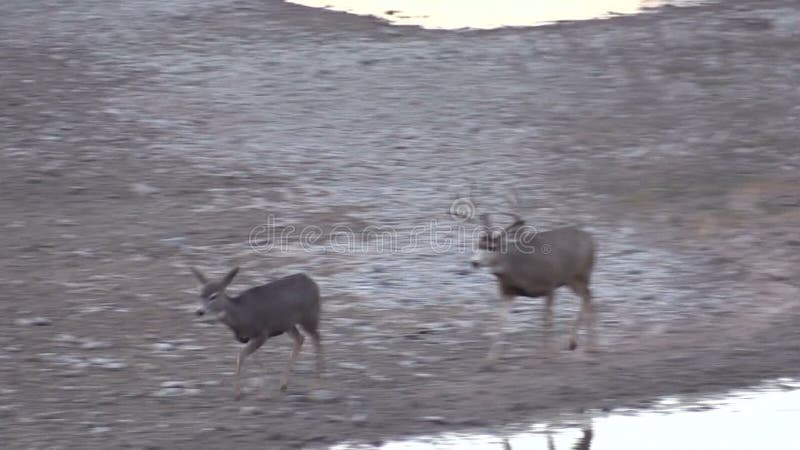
(229, 277)
(200, 277)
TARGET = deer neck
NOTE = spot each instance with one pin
(229, 314)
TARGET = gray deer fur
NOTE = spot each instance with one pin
(265, 311)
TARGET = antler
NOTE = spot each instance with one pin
(514, 201)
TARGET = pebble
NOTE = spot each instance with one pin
(175, 388)
(163, 346)
(62, 337)
(359, 418)
(94, 345)
(251, 410)
(434, 419)
(169, 392)
(67, 222)
(323, 396)
(192, 348)
(108, 363)
(178, 241)
(352, 366)
(35, 321)
(143, 189)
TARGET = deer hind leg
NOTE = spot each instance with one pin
(252, 345)
(298, 340)
(547, 318)
(582, 289)
(505, 310)
(311, 327)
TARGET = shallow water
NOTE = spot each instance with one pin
(763, 417)
(456, 14)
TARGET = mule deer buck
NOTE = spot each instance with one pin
(265, 311)
(531, 264)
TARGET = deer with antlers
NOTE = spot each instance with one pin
(534, 264)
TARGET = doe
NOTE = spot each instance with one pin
(265, 311)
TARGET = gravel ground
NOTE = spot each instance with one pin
(141, 137)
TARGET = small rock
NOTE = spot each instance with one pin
(99, 430)
(108, 363)
(63, 337)
(143, 189)
(168, 392)
(323, 396)
(173, 384)
(251, 410)
(35, 321)
(178, 241)
(163, 346)
(192, 348)
(359, 418)
(381, 378)
(94, 345)
(352, 366)
(434, 419)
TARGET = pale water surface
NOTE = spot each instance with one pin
(487, 14)
(764, 417)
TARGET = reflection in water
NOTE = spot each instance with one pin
(762, 418)
(585, 442)
(486, 14)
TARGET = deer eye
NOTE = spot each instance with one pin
(212, 296)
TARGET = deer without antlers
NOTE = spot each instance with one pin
(531, 264)
(265, 311)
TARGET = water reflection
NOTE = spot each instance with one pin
(585, 442)
(455, 14)
(760, 418)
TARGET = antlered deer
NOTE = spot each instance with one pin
(534, 264)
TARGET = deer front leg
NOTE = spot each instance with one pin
(297, 339)
(547, 319)
(246, 351)
(315, 338)
(586, 305)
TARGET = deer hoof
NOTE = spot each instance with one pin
(283, 387)
(572, 345)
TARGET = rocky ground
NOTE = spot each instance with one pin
(141, 137)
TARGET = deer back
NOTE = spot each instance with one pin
(550, 259)
(274, 307)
